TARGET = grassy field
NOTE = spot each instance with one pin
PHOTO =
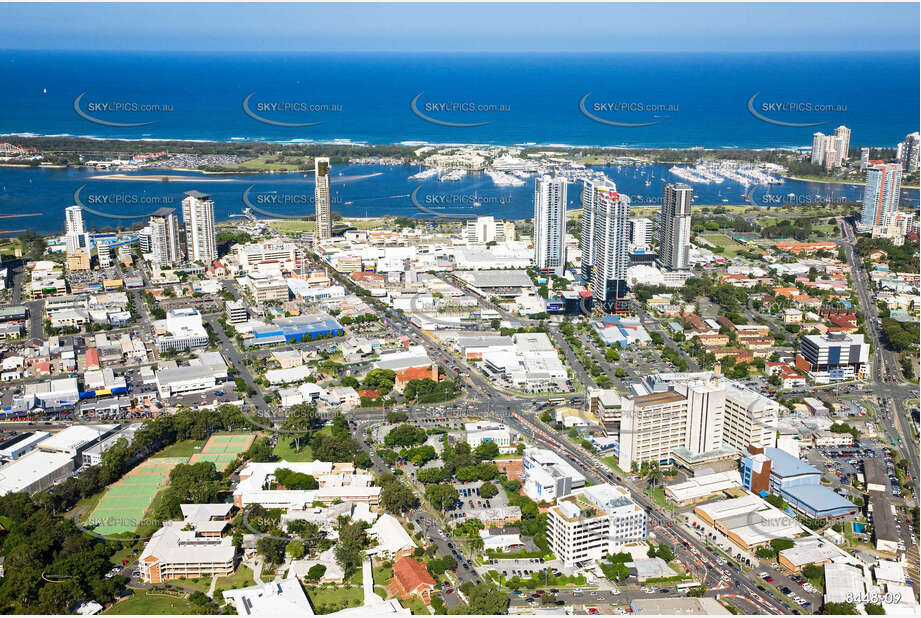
(285, 450)
(241, 579)
(151, 602)
(271, 163)
(416, 605)
(730, 247)
(382, 575)
(294, 226)
(184, 448)
(326, 600)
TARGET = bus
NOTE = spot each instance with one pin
(685, 586)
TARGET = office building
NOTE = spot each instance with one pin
(587, 238)
(322, 198)
(675, 230)
(550, 225)
(548, 476)
(588, 524)
(881, 194)
(198, 220)
(833, 357)
(611, 246)
(749, 418)
(652, 427)
(163, 237)
(181, 330)
(191, 548)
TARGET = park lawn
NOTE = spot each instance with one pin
(730, 247)
(658, 494)
(183, 448)
(242, 578)
(338, 597)
(151, 602)
(199, 583)
(416, 605)
(270, 163)
(382, 575)
(382, 592)
(293, 226)
(284, 450)
(611, 462)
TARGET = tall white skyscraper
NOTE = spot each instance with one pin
(908, 151)
(864, 158)
(612, 241)
(163, 237)
(587, 238)
(322, 199)
(74, 229)
(198, 219)
(818, 148)
(675, 226)
(550, 224)
(881, 194)
(844, 146)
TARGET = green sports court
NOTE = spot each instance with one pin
(122, 507)
(222, 449)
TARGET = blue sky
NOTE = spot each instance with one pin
(507, 27)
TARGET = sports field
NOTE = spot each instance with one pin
(222, 449)
(122, 507)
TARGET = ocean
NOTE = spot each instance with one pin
(681, 100)
(627, 100)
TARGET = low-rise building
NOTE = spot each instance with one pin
(548, 476)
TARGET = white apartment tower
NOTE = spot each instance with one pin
(818, 148)
(322, 199)
(611, 246)
(675, 230)
(587, 240)
(163, 237)
(550, 225)
(198, 220)
(483, 230)
(843, 134)
(640, 232)
(74, 229)
(907, 153)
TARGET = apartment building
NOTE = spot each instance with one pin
(589, 523)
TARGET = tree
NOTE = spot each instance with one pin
(296, 550)
(874, 609)
(441, 496)
(488, 490)
(697, 591)
(316, 572)
(842, 609)
(665, 553)
(398, 498)
(300, 422)
(272, 549)
(405, 435)
(396, 417)
(779, 545)
(486, 450)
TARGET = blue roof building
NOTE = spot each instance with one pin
(299, 328)
(798, 483)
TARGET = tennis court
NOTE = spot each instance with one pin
(222, 449)
(122, 507)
